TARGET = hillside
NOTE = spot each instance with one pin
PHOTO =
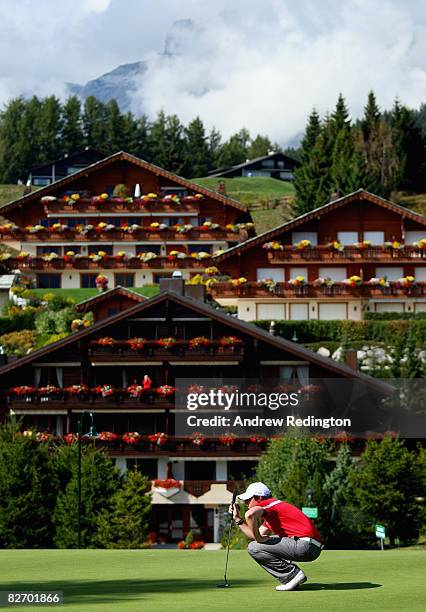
(269, 200)
(9, 193)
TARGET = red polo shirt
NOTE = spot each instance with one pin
(285, 520)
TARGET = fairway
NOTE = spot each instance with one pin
(170, 580)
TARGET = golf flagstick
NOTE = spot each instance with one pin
(226, 583)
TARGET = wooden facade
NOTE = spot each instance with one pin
(359, 235)
(98, 370)
(67, 224)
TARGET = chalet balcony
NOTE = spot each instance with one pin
(106, 263)
(348, 254)
(69, 236)
(311, 290)
(185, 446)
(87, 205)
(180, 350)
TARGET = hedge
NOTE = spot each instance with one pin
(394, 316)
(350, 331)
(17, 322)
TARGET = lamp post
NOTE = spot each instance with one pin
(92, 434)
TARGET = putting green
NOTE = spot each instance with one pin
(173, 581)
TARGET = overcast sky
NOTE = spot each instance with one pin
(262, 64)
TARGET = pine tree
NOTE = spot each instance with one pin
(143, 142)
(27, 497)
(307, 177)
(234, 151)
(259, 146)
(214, 148)
(50, 129)
(157, 139)
(13, 142)
(340, 118)
(114, 128)
(94, 123)
(335, 492)
(130, 134)
(126, 525)
(197, 150)
(341, 162)
(72, 137)
(174, 145)
(410, 149)
(371, 118)
(100, 480)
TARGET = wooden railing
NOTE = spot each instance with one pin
(347, 254)
(118, 235)
(106, 263)
(310, 290)
(115, 206)
(181, 348)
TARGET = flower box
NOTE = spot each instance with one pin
(167, 493)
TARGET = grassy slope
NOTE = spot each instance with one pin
(177, 581)
(82, 294)
(9, 193)
(269, 200)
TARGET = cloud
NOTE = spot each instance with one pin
(265, 65)
(261, 65)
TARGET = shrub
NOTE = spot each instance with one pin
(21, 319)
(120, 191)
(18, 343)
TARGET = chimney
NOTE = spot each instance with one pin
(177, 285)
(351, 359)
(196, 292)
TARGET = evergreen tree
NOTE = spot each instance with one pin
(371, 118)
(115, 137)
(214, 148)
(50, 129)
(143, 142)
(335, 492)
(175, 147)
(259, 146)
(72, 137)
(410, 149)
(130, 142)
(342, 162)
(358, 170)
(100, 480)
(293, 464)
(94, 123)
(157, 139)
(126, 524)
(27, 497)
(197, 150)
(13, 142)
(234, 151)
(307, 177)
(383, 485)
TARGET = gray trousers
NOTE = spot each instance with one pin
(276, 555)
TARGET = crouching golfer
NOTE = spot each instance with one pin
(281, 534)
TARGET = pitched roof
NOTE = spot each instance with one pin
(244, 327)
(221, 171)
(132, 159)
(316, 213)
(100, 297)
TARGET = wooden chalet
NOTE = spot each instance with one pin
(358, 253)
(83, 226)
(273, 165)
(100, 369)
(107, 303)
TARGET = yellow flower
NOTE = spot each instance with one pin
(75, 197)
(104, 196)
(199, 196)
(155, 224)
(153, 196)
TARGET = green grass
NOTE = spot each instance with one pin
(83, 294)
(177, 581)
(250, 190)
(8, 193)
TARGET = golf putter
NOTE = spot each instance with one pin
(226, 584)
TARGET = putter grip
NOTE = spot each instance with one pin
(234, 497)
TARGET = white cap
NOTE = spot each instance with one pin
(257, 489)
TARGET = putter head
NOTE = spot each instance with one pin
(224, 585)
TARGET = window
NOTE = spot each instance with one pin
(299, 272)
(73, 221)
(420, 274)
(268, 163)
(115, 221)
(125, 279)
(347, 238)
(198, 247)
(42, 250)
(241, 470)
(280, 164)
(375, 237)
(200, 470)
(277, 274)
(392, 273)
(88, 281)
(412, 236)
(151, 248)
(93, 249)
(337, 275)
(39, 182)
(389, 307)
(147, 467)
(49, 281)
(298, 236)
(299, 373)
